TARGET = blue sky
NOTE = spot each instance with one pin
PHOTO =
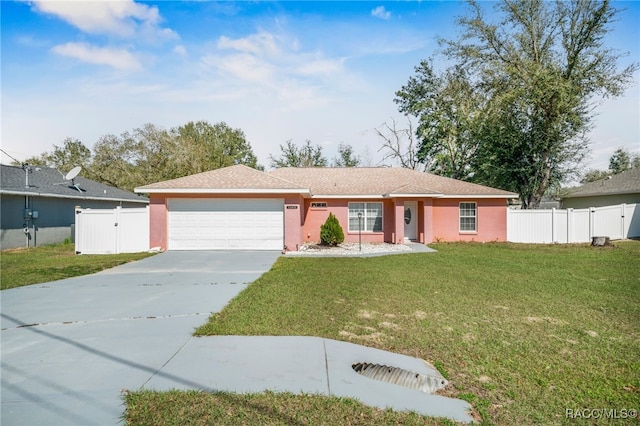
(323, 71)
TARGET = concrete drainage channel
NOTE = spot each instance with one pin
(400, 376)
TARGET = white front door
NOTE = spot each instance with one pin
(410, 220)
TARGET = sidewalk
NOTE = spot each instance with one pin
(301, 365)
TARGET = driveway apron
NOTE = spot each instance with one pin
(70, 347)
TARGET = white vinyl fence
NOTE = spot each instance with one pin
(111, 231)
(573, 226)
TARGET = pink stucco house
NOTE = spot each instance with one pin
(239, 207)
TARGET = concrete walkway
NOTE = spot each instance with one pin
(301, 364)
(70, 347)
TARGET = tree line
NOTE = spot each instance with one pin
(151, 154)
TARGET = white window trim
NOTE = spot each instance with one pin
(475, 208)
(364, 217)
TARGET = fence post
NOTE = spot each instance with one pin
(116, 223)
(76, 231)
(623, 206)
(553, 225)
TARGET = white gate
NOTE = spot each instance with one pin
(111, 231)
(573, 226)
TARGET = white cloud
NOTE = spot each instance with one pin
(381, 12)
(274, 65)
(180, 50)
(260, 44)
(319, 67)
(266, 56)
(241, 66)
(124, 18)
(28, 40)
(116, 58)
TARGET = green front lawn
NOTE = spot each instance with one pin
(523, 332)
(54, 262)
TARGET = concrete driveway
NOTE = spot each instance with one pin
(69, 347)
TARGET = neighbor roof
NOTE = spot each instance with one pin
(325, 181)
(627, 182)
(49, 182)
(382, 181)
(232, 179)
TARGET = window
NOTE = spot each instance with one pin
(468, 217)
(371, 217)
(319, 205)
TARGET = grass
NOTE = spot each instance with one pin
(198, 408)
(22, 267)
(522, 332)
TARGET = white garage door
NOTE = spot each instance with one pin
(225, 224)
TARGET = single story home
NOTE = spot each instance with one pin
(37, 204)
(623, 188)
(239, 207)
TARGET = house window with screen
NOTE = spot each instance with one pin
(371, 220)
(468, 217)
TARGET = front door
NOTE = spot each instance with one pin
(410, 220)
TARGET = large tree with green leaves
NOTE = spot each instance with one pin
(72, 153)
(291, 155)
(539, 67)
(346, 157)
(621, 160)
(150, 154)
(450, 112)
(214, 146)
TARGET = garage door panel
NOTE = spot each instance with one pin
(225, 224)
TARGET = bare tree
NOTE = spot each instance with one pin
(400, 145)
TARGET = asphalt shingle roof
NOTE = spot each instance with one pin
(238, 177)
(373, 181)
(627, 182)
(46, 181)
(381, 181)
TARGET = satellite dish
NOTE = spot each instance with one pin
(73, 173)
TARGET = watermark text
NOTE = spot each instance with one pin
(601, 413)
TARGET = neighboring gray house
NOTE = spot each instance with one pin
(37, 205)
(617, 189)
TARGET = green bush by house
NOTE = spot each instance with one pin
(331, 232)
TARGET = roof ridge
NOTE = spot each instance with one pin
(283, 180)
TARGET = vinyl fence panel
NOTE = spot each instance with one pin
(111, 231)
(94, 231)
(560, 226)
(133, 230)
(581, 226)
(573, 225)
(608, 222)
(529, 226)
(632, 220)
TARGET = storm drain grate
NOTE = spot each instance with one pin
(399, 376)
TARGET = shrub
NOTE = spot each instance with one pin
(331, 232)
